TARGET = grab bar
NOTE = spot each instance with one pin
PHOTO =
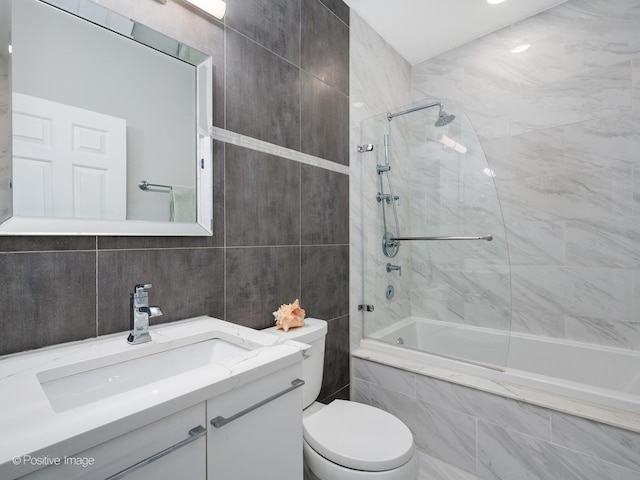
(488, 238)
(194, 434)
(222, 421)
(144, 185)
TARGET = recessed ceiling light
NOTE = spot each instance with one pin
(494, 2)
(520, 48)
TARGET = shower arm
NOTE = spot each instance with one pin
(390, 116)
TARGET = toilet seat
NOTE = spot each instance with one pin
(323, 469)
(359, 437)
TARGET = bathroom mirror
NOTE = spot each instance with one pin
(104, 125)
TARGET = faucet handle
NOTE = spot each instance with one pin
(140, 287)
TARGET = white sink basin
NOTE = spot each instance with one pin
(88, 386)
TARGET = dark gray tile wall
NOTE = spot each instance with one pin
(275, 25)
(322, 52)
(263, 198)
(281, 74)
(262, 93)
(323, 112)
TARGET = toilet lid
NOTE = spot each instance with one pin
(359, 436)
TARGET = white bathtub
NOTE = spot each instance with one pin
(601, 383)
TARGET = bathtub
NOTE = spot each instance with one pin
(599, 383)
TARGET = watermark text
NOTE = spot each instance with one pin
(46, 461)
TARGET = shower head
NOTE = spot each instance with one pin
(444, 118)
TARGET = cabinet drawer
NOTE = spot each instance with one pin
(260, 442)
(122, 452)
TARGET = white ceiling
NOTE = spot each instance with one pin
(421, 29)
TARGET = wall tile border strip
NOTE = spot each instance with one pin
(240, 140)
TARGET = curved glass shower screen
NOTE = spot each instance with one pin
(436, 265)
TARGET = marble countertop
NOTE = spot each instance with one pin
(491, 383)
(30, 426)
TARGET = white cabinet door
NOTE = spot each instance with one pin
(265, 442)
(67, 162)
(103, 461)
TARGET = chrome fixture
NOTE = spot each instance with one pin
(221, 421)
(386, 167)
(365, 148)
(194, 434)
(444, 118)
(390, 247)
(382, 168)
(488, 238)
(389, 198)
(391, 244)
(144, 185)
(394, 268)
(390, 292)
(139, 314)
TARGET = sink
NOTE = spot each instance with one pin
(95, 384)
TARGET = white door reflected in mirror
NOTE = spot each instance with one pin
(67, 161)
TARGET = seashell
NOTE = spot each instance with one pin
(289, 315)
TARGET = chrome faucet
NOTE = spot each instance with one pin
(139, 314)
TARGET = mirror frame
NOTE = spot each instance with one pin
(202, 63)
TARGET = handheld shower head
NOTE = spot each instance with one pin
(444, 118)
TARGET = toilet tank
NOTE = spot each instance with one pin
(313, 333)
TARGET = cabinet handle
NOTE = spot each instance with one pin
(222, 421)
(194, 434)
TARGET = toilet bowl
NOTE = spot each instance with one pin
(347, 440)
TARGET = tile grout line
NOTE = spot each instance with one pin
(96, 286)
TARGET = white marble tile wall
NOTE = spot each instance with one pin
(560, 126)
(635, 83)
(380, 80)
(493, 437)
(4, 133)
(376, 278)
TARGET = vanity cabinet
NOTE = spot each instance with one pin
(252, 431)
(119, 406)
(184, 453)
(255, 431)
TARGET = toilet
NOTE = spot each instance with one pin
(347, 440)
